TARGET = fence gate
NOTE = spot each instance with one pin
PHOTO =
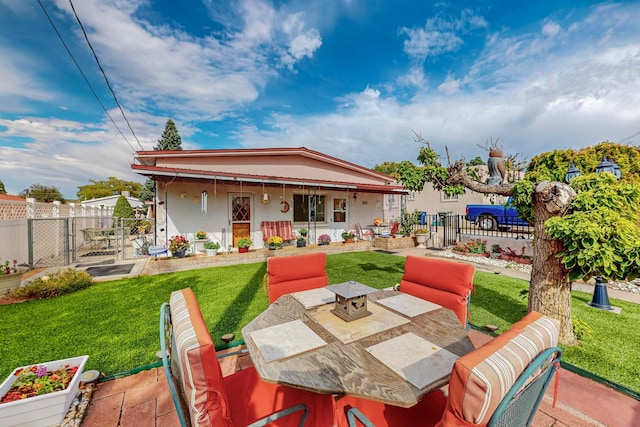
(48, 242)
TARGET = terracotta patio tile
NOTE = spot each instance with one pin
(104, 412)
(169, 419)
(140, 415)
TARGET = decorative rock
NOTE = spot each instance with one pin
(227, 338)
(491, 328)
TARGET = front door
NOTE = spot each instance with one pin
(338, 218)
(240, 214)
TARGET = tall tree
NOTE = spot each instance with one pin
(149, 190)
(2, 189)
(43, 193)
(574, 236)
(170, 139)
(108, 188)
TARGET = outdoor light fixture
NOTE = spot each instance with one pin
(265, 196)
(203, 200)
(571, 173)
(605, 165)
(355, 196)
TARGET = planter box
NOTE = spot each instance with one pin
(9, 282)
(44, 410)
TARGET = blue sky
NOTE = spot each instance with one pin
(353, 79)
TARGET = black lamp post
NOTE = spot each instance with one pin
(600, 296)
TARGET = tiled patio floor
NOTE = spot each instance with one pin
(143, 400)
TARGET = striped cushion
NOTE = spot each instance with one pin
(196, 356)
(481, 379)
(283, 229)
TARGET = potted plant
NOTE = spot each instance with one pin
(178, 246)
(10, 276)
(303, 232)
(422, 234)
(324, 239)
(301, 242)
(211, 248)
(244, 244)
(200, 235)
(348, 236)
(274, 242)
(40, 394)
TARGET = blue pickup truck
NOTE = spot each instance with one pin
(493, 217)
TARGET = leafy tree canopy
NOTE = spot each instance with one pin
(42, 193)
(476, 161)
(2, 189)
(388, 168)
(107, 188)
(170, 139)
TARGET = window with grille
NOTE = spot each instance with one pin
(308, 208)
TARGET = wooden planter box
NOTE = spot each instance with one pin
(9, 282)
(46, 409)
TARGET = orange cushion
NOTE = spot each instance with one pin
(200, 372)
(426, 413)
(250, 399)
(453, 302)
(296, 273)
(442, 281)
(480, 379)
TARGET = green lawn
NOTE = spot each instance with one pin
(116, 323)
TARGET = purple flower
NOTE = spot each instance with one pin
(41, 371)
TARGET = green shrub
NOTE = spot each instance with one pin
(59, 283)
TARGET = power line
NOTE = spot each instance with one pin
(630, 137)
(83, 75)
(103, 73)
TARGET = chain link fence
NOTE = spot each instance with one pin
(63, 241)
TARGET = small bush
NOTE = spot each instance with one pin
(56, 284)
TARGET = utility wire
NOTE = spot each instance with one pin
(83, 75)
(630, 137)
(104, 74)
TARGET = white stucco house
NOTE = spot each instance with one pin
(229, 192)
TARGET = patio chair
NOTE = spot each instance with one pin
(444, 282)
(295, 273)
(499, 384)
(364, 234)
(204, 397)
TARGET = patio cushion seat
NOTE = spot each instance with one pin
(210, 399)
(479, 382)
(287, 274)
(282, 229)
(444, 282)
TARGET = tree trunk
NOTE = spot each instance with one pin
(550, 287)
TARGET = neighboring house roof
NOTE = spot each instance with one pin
(269, 166)
(111, 200)
(12, 198)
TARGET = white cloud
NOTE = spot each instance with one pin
(440, 35)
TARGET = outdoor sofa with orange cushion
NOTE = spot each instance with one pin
(444, 282)
(287, 274)
(204, 398)
(517, 364)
